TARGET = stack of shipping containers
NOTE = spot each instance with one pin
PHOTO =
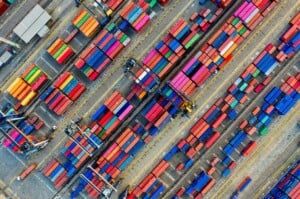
(86, 23)
(98, 55)
(288, 186)
(64, 91)
(25, 88)
(60, 51)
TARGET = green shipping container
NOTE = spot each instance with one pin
(28, 76)
(192, 41)
(209, 16)
(31, 81)
(152, 3)
(123, 38)
(60, 51)
(158, 70)
(243, 30)
(101, 133)
(10, 1)
(111, 26)
(256, 73)
(168, 54)
(244, 86)
(235, 21)
(234, 103)
(168, 93)
(83, 20)
(87, 70)
(263, 131)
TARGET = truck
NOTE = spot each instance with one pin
(241, 187)
(27, 171)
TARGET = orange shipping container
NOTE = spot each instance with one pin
(55, 46)
(255, 111)
(25, 92)
(199, 146)
(79, 16)
(113, 97)
(211, 170)
(220, 119)
(92, 29)
(251, 130)
(127, 9)
(15, 85)
(89, 22)
(51, 169)
(208, 186)
(295, 19)
(126, 138)
(132, 144)
(243, 124)
(19, 89)
(199, 128)
(160, 168)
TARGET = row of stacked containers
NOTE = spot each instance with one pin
(109, 116)
(278, 100)
(288, 186)
(60, 51)
(161, 98)
(65, 90)
(86, 23)
(218, 50)
(26, 87)
(204, 19)
(104, 48)
(162, 59)
(135, 15)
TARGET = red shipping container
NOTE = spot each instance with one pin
(250, 147)
(212, 139)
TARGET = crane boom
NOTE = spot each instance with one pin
(2, 39)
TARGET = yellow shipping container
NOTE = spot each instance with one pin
(28, 98)
(34, 76)
(64, 84)
(15, 85)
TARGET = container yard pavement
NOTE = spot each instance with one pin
(265, 150)
(23, 190)
(258, 39)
